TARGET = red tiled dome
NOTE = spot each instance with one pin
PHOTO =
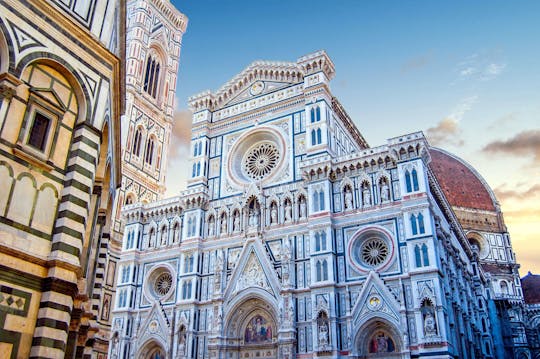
(531, 288)
(461, 184)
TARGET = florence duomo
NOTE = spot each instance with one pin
(324, 213)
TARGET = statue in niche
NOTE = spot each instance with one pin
(273, 214)
(163, 237)
(253, 217)
(385, 191)
(303, 208)
(217, 272)
(223, 224)
(348, 198)
(211, 226)
(323, 335)
(288, 211)
(366, 194)
(429, 325)
(236, 222)
(182, 341)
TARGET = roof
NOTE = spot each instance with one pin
(530, 284)
(461, 184)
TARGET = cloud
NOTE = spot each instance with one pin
(447, 131)
(417, 62)
(479, 67)
(181, 134)
(504, 194)
(503, 121)
(526, 143)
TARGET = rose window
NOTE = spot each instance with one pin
(260, 160)
(374, 251)
(371, 248)
(163, 284)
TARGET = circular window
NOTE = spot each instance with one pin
(371, 248)
(163, 284)
(260, 160)
(257, 155)
(160, 282)
(374, 251)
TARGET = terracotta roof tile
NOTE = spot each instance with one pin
(459, 183)
(530, 284)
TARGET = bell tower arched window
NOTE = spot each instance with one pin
(149, 154)
(151, 75)
(136, 150)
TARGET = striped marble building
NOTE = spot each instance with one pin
(61, 100)
(296, 239)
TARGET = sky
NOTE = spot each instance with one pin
(466, 73)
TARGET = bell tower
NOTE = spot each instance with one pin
(154, 38)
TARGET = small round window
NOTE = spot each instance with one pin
(159, 283)
(371, 249)
(163, 284)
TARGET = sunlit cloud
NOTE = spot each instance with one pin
(447, 131)
(526, 143)
(503, 121)
(505, 194)
(181, 134)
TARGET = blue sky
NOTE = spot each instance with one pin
(467, 73)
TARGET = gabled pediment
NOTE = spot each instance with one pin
(253, 271)
(375, 300)
(258, 78)
(156, 325)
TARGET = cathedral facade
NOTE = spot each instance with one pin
(296, 239)
(61, 85)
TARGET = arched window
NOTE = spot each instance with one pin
(129, 199)
(317, 242)
(324, 270)
(149, 154)
(414, 179)
(195, 150)
(319, 136)
(323, 241)
(188, 263)
(151, 238)
(136, 150)
(318, 114)
(313, 138)
(408, 181)
(312, 113)
(414, 228)
(504, 287)
(198, 168)
(318, 269)
(321, 200)
(425, 255)
(417, 256)
(151, 75)
(315, 201)
(421, 228)
(190, 225)
(200, 148)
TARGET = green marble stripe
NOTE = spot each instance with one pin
(52, 323)
(83, 155)
(86, 141)
(68, 231)
(48, 343)
(72, 215)
(75, 200)
(80, 169)
(66, 248)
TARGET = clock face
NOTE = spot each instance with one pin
(256, 88)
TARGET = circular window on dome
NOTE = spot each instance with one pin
(160, 282)
(371, 249)
(260, 160)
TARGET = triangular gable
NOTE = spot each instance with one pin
(156, 325)
(254, 270)
(272, 75)
(375, 300)
(255, 89)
